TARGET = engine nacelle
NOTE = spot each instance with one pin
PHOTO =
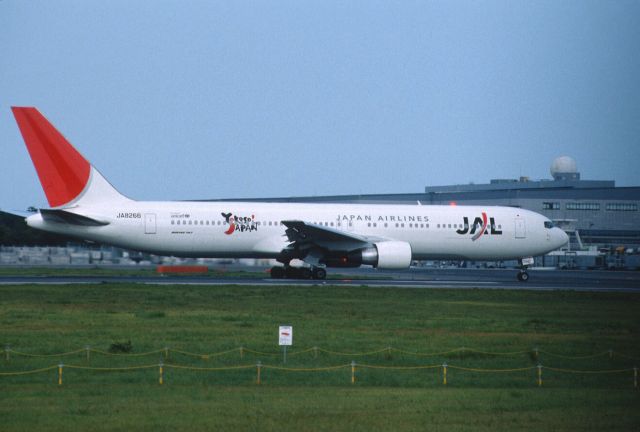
(384, 255)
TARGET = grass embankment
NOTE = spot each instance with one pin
(198, 319)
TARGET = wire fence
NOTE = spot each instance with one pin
(354, 366)
(315, 351)
(487, 362)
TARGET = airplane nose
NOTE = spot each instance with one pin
(561, 236)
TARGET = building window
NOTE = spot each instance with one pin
(550, 206)
(583, 206)
(622, 207)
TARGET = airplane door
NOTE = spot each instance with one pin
(149, 223)
(521, 229)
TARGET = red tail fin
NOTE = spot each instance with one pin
(63, 172)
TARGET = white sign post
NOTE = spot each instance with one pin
(285, 339)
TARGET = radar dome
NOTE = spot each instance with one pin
(563, 165)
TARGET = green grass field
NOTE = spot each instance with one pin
(47, 320)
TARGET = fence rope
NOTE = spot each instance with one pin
(34, 371)
(492, 370)
(340, 353)
(107, 369)
(600, 354)
(316, 369)
(315, 350)
(128, 354)
(434, 354)
(576, 371)
(177, 366)
(399, 367)
(625, 356)
(509, 353)
(20, 353)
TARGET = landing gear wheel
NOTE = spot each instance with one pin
(319, 273)
(277, 272)
(523, 276)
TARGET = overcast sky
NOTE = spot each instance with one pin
(180, 100)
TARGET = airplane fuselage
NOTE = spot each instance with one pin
(255, 230)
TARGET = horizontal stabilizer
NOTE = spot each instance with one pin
(17, 213)
(67, 217)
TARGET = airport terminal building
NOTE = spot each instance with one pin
(593, 212)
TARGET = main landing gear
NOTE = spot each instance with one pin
(288, 272)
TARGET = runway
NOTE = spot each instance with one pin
(540, 280)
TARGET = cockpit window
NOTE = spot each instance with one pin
(548, 224)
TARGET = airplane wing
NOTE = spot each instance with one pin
(299, 231)
(313, 242)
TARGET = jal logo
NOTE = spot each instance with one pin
(239, 223)
(479, 227)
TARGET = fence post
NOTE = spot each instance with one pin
(539, 375)
(7, 348)
(635, 377)
(444, 374)
(388, 353)
(610, 353)
(315, 352)
(353, 372)
(161, 373)
(87, 348)
(241, 353)
(60, 366)
(258, 366)
(166, 352)
(536, 353)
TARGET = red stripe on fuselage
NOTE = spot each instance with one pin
(63, 172)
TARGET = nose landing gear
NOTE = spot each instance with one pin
(523, 276)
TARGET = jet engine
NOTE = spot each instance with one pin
(383, 255)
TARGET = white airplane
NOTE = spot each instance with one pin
(84, 205)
